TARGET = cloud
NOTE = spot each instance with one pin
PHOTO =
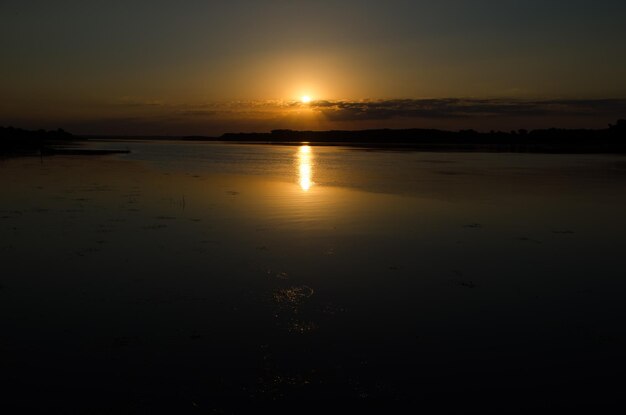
(136, 116)
(372, 110)
(128, 101)
(463, 108)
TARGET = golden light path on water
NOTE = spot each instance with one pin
(305, 167)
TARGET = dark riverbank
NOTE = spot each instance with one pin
(554, 140)
(15, 141)
(19, 142)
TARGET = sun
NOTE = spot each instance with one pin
(305, 99)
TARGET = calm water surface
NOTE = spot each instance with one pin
(210, 278)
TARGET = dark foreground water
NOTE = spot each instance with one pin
(214, 278)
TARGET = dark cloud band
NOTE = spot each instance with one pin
(461, 108)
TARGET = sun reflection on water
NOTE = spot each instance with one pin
(305, 167)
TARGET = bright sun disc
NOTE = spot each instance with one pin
(305, 99)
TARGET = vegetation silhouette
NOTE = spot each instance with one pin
(16, 141)
(553, 140)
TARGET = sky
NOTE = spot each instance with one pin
(156, 67)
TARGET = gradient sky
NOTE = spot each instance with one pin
(207, 67)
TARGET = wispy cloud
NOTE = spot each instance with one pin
(128, 101)
(372, 110)
(462, 108)
(347, 110)
(152, 116)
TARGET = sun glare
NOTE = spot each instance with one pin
(305, 99)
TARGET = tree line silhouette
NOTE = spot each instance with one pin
(557, 140)
(611, 139)
(17, 140)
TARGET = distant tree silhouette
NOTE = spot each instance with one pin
(620, 126)
(17, 140)
(609, 140)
